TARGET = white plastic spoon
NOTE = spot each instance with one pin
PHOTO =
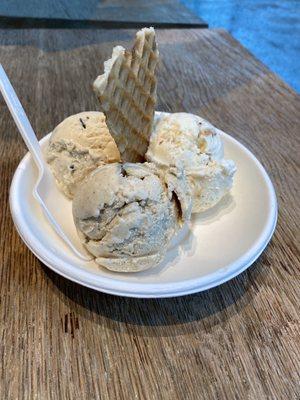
(45, 180)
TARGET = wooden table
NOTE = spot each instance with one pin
(238, 341)
(103, 13)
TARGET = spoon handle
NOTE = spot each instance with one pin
(20, 118)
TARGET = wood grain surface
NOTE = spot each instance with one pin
(105, 13)
(59, 340)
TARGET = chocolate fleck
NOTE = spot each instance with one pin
(82, 123)
(123, 171)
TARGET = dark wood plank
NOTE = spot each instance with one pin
(113, 14)
(237, 341)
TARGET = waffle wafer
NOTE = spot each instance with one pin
(127, 95)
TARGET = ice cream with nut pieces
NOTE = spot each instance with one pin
(77, 146)
(127, 214)
(189, 142)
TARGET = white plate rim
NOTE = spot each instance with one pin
(148, 290)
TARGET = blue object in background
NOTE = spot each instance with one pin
(269, 29)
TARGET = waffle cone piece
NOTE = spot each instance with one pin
(127, 95)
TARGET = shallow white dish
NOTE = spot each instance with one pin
(221, 243)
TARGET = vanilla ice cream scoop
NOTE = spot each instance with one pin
(192, 144)
(77, 146)
(126, 215)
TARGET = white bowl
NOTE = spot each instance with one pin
(222, 242)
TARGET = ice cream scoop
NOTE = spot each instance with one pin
(126, 214)
(193, 145)
(182, 138)
(78, 145)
